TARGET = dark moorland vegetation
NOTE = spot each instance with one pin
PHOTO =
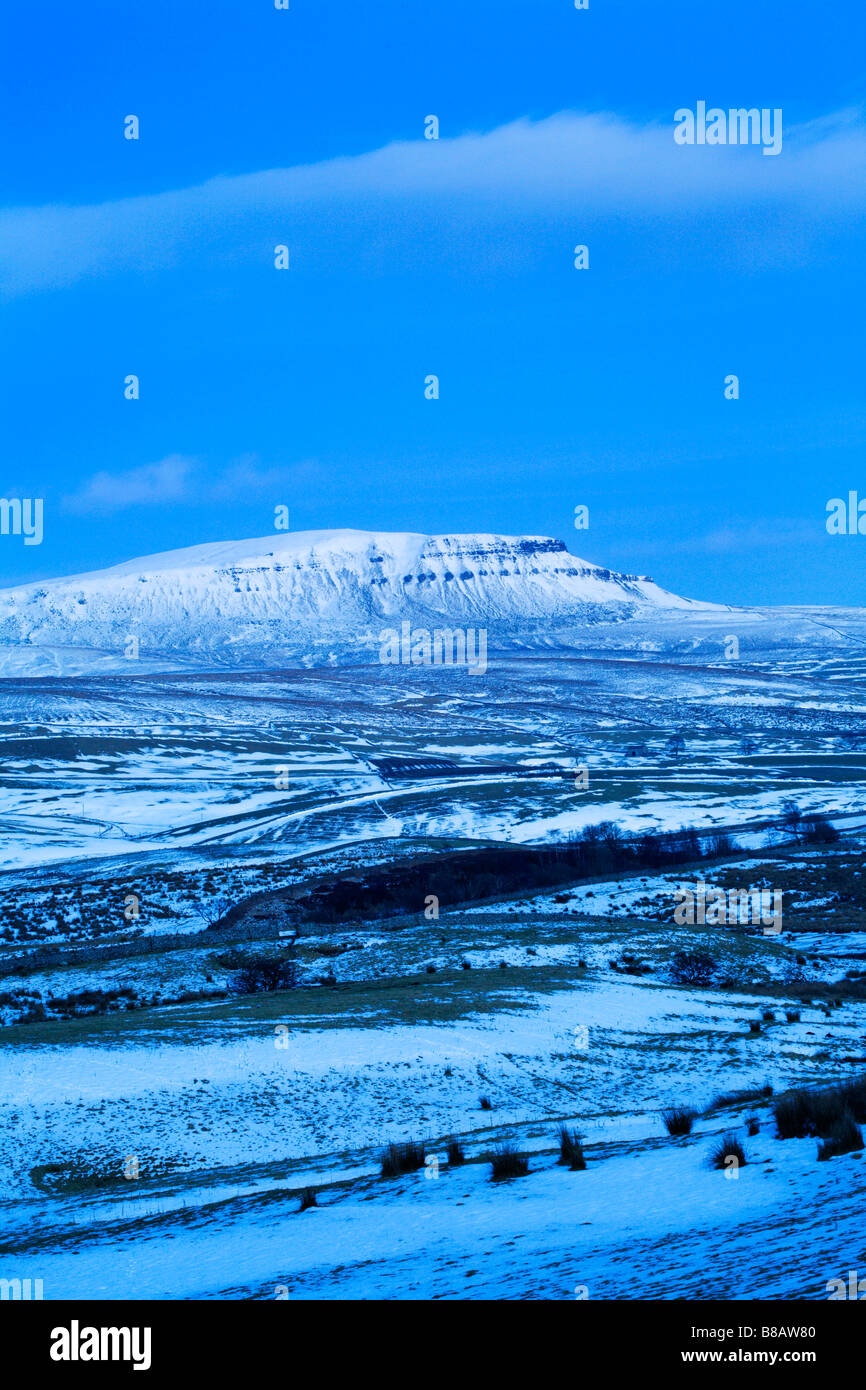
(479, 875)
(820, 1113)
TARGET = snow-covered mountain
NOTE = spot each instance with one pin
(308, 594)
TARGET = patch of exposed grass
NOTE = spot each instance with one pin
(728, 1100)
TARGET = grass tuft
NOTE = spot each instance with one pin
(727, 1148)
(678, 1120)
(402, 1158)
(571, 1149)
(845, 1137)
(805, 1114)
(508, 1162)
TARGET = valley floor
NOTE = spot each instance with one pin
(230, 1110)
(157, 1145)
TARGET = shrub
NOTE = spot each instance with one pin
(35, 1013)
(308, 1199)
(402, 1158)
(630, 964)
(508, 1162)
(456, 1156)
(648, 851)
(84, 1002)
(845, 1137)
(727, 1148)
(817, 829)
(678, 1120)
(571, 1149)
(260, 972)
(693, 968)
(485, 1102)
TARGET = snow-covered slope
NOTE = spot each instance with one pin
(310, 593)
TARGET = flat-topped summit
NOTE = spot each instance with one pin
(299, 591)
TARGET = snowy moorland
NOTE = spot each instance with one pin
(168, 818)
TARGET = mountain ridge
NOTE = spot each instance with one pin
(294, 591)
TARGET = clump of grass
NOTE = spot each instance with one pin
(803, 1114)
(845, 1137)
(755, 1025)
(308, 1199)
(402, 1158)
(727, 1148)
(571, 1149)
(853, 1093)
(792, 1015)
(678, 1120)
(456, 1156)
(768, 1015)
(508, 1162)
(753, 1125)
(485, 1102)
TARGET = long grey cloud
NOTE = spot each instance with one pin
(587, 164)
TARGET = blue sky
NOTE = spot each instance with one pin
(455, 257)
